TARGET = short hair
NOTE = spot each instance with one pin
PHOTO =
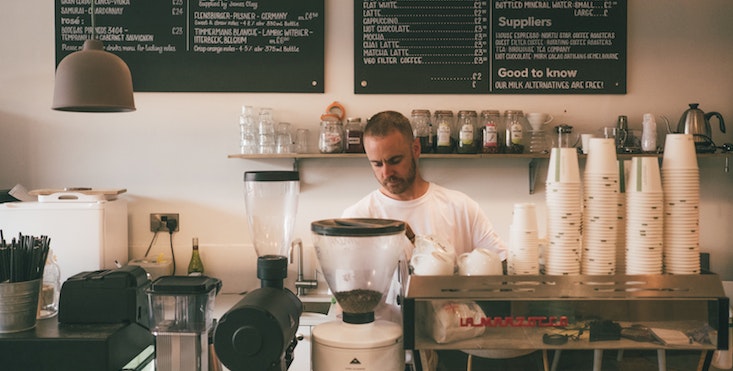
(386, 122)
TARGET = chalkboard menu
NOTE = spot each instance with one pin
(490, 47)
(204, 45)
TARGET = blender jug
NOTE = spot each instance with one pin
(271, 200)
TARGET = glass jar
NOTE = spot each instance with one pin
(331, 138)
(50, 289)
(467, 142)
(444, 140)
(514, 131)
(354, 132)
(489, 131)
(422, 128)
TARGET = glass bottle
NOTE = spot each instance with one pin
(467, 132)
(354, 132)
(266, 128)
(248, 142)
(514, 139)
(423, 129)
(195, 266)
(649, 133)
(444, 123)
(489, 131)
(51, 287)
(331, 139)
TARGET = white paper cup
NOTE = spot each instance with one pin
(644, 175)
(479, 262)
(524, 216)
(679, 152)
(601, 156)
(563, 166)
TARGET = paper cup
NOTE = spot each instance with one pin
(563, 166)
(679, 152)
(644, 175)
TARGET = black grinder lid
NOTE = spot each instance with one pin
(184, 285)
(357, 227)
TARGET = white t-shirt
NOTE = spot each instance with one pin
(442, 212)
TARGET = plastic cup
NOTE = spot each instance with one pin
(563, 166)
(679, 152)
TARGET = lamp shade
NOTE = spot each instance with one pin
(93, 80)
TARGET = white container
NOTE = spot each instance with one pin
(85, 236)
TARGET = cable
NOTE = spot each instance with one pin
(152, 242)
(172, 225)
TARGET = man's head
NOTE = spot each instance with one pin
(393, 152)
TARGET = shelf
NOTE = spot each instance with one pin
(532, 157)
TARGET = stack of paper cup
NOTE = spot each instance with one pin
(681, 184)
(523, 255)
(600, 208)
(564, 213)
(644, 217)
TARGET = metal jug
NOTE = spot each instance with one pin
(694, 121)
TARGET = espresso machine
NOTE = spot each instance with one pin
(358, 258)
(259, 332)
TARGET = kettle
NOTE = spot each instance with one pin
(694, 121)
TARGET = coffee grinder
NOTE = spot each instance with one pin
(358, 258)
(258, 333)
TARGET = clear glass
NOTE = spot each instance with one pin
(266, 127)
(248, 141)
(284, 138)
(271, 209)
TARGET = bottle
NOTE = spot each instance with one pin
(423, 130)
(50, 289)
(649, 133)
(195, 266)
(354, 132)
(444, 123)
(514, 140)
(467, 132)
(622, 131)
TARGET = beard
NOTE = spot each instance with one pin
(398, 185)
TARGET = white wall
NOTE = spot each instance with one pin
(171, 154)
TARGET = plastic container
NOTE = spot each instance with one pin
(182, 303)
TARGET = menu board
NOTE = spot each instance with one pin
(490, 47)
(204, 45)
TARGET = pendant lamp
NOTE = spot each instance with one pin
(93, 80)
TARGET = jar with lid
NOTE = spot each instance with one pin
(444, 123)
(331, 138)
(423, 129)
(514, 129)
(467, 142)
(354, 132)
(489, 131)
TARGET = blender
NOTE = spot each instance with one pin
(259, 332)
(358, 258)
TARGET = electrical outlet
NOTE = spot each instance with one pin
(158, 222)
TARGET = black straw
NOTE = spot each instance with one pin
(24, 258)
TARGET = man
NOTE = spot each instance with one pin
(429, 209)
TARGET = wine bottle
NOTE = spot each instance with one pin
(195, 266)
